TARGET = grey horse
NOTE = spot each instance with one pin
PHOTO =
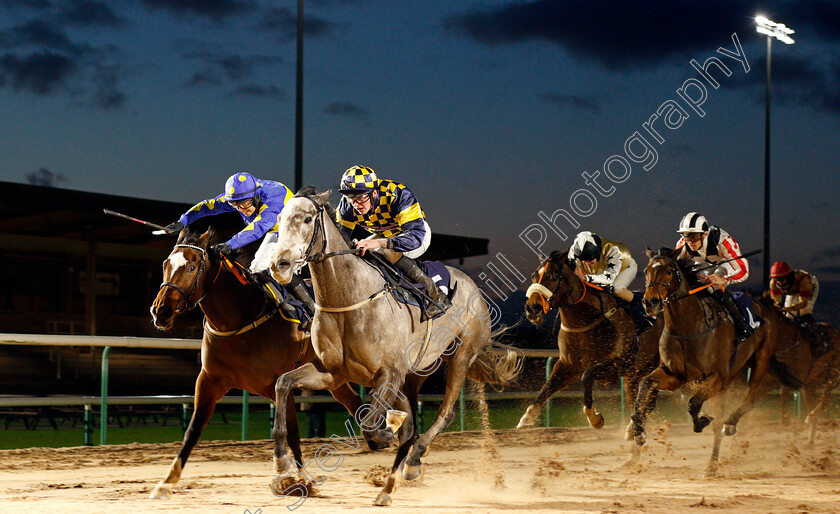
(361, 334)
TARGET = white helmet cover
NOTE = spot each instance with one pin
(693, 223)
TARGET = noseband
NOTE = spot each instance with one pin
(185, 303)
(308, 256)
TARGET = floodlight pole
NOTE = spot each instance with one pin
(778, 30)
(299, 102)
(765, 272)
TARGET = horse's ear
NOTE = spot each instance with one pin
(543, 257)
(649, 252)
(204, 240)
(324, 198)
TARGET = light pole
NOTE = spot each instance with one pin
(772, 30)
(299, 102)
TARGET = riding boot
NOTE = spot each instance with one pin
(743, 330)
(439, 301)
(820, 344)
(274, 294)
(297, 288)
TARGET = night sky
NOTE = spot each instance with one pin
(490, 111)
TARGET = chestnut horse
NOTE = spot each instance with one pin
(697, 348)
(793, 347)
(597, 338)
(246, 344)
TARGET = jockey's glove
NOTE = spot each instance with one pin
(174, 228)
(225, 250)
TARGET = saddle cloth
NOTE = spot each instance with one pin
(745, 304)
(435, 269)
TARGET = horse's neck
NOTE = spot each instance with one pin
(340, 280)
(687, 307)
(228, 304)
(582, 303)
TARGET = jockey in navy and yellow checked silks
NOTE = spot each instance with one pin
(271, 198)
(395, 212)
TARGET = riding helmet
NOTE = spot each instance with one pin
(241, 186)
(358, 179)
(587, 246)
(780, 269)
(693, 223)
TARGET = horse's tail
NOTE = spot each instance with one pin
(784, 374)
(496, 364)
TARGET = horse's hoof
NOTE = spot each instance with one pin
(394, 419)
(525, 423)
(375, 445)
(161, 490)
(701, 423)
(411, 471)
(808, 419)
(382, 500)
(282, 464)
(640, 439)
(711, 471)
(599, 421)
(729, 429)
(628, 432)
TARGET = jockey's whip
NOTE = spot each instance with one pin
(718, 263)
(147, 223)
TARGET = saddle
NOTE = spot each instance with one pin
(410, 293)
(636, 311)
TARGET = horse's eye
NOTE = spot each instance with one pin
(191, 269)
(308, 219)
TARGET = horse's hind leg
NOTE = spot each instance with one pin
(762, 364)
(208, 391)
(408, 435)
(708, 387)
(455, 377)
(562, 375)
(600, 371)
(304, 377)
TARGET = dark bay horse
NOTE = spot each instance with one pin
(246, 345)
(820, 375)
(697, 348)
(361, 334)
(597, 338)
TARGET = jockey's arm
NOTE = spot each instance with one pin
(209, 207)
(264, 222)
(611, 271)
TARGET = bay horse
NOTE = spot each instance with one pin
(793, 347)
(246, 343)
(697, 347)
(596, 339)
(361, 334)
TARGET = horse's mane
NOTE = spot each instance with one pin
(310, 192)
(560, 257)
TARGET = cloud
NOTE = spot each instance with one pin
(41, 73)
(205, 77)
(216, 9)
(234, 67)
(346, 110)
(89, 13)
(283, 21)
(44, 177)
(257, 91)
(40, 33)
(578, 102)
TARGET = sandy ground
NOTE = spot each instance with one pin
(764, 468)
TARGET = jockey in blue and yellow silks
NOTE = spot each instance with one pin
(392, 214)
(259, 202)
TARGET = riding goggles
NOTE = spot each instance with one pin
(242, 204)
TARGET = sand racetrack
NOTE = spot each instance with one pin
(764, 468)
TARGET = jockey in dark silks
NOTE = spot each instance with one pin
(710, 244)
(795, 292)
(399, 229)
(259, 202)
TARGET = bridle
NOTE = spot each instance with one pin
(319, 256)
(544, 294)
(185, 304)
(672, 265)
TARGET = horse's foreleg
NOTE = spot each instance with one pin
(658, 380)
(718, 403)
(600, 371)
(759, 371)
(562, 375)
(631, 390)
(825, 398)
(304, 377)
(379, 418)
(408, 435)
(351, 401)
(707, 388)
(207, 392)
